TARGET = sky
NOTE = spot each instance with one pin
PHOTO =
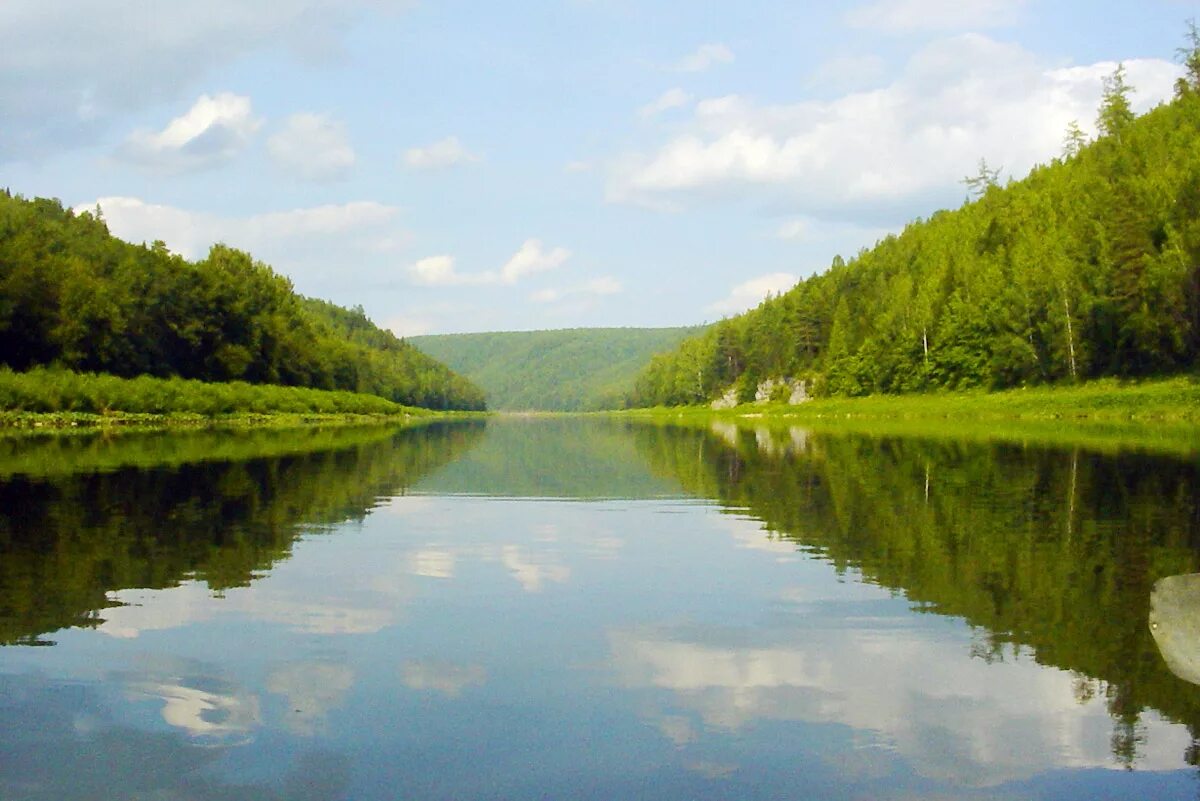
(466, 166)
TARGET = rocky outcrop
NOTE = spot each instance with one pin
(796, 389)
(727, 400)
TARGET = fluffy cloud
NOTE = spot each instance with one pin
(213, 131)
(956, 100)
(750, 293)
(314, 147)
(530, 259)
(672, 98)
(605, 285)
(440, 271)
(68, 68)
(448, 152)
(329, 249)
(910, 15)
(705, 56)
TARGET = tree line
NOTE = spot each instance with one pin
(74, 296)
(1088, 267)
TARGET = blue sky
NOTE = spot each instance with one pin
(465, 166)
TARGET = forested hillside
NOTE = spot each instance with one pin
(1088, 267)
(75, 296)
(576, 369)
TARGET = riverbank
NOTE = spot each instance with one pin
(1160, 415)
(1169, 400)
(62, 400)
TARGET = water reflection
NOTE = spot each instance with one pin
(71, 544)
(197, 700)
(312, 689)
(749, 613)
(1040, 548)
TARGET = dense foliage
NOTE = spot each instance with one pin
(53, 390)
(578, 369)
(1088, 267)
(74, 296)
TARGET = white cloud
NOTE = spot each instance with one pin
(750, 293)
(911, 15)
(408, 326)
(605, 285)
(212, 132)
(314, 147)
(191, 233)
(705, 56)
(956, 100)
(70, 67)
(440, 271)
(672, 98)
(448, 152)
(792, 229)
(332, 251)
(532, 258)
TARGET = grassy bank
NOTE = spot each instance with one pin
(49, 398)
(1170, 400)
(1160, 415)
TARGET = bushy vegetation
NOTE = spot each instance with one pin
(49, 390)
(74, 296)
(579, 369)
(1088, 267)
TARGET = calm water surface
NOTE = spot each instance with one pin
(600, 610)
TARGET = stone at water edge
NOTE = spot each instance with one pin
(1175, 623)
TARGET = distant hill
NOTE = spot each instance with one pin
(577, 369)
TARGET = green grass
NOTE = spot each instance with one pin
(1162, 415)
(57, 398)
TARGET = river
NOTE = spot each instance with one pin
(595, 609)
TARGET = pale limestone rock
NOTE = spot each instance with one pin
(1175, 623)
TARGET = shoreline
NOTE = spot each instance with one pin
(66, 423)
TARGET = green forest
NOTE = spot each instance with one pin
(1088, 267)
(75, 297)
(579, 369)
